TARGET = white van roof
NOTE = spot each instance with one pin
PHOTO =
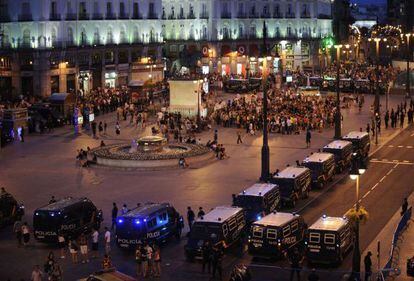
(355, 135)
(291, 172)
(338, 144)
(258, 189)
(219, 214)
(318, 157)
(329, 223)
(276, 219)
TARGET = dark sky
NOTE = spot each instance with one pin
(369, 1)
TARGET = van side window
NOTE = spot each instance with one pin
(314, 237)
(152, 222)
(271, 234)
(257, 232)
(162, 217)
(329, 239)
(294, 226)
(225, 230)
(286, 231)
(232, 224)
(240, 220)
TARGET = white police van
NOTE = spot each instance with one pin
(293, 183)
(322, 166)
(342, 151)
(222, 225)
(148, 222)
(258, 200)
(275, 233)
(360, 142)
(328, 240)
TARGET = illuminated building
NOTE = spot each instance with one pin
(57, 45)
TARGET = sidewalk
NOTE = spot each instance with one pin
(385, 238)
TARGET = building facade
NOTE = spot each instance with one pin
(57, 45)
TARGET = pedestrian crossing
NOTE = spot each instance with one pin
(392, 161)
(401, 146)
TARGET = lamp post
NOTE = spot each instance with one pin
(338, 107)
(198, 122)
(265, 148)
(358, 168)
(407, 83)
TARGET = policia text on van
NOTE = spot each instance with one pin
(258, 200)
(328, 240)
(151, 221)
(221, 225)
(275, 233)
(69, 216)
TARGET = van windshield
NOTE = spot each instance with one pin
(129, 227)
(47, 220)
(249, 202)
(203, 231)
(336, 152)
(314, 166)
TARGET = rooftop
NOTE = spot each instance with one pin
(291, 172)
(338, 144)
(258, 189)
(62, 203)
(329, 223)
(145, 210)
(220, 214)
(318, 157)
(276, 219)
(355, 135)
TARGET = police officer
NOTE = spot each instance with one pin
(190, 217)
(114, 215)
(217, 259)
(206, 252)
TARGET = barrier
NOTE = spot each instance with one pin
(389, 268)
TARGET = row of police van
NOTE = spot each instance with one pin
(271, 233)
(254, 211)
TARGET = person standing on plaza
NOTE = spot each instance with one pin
(52, 200)
(105, 127)
(107, 238)
(124, 209)
(22, 134)
(17, 229)
(117, 128)
(402, 116)
(206, 252)
(73, 250)
(201, 212)
(295, 260)
(100, 128)
(368, 265)
(62, 244)
(83, 243)
(239, 138)
(386, 119)
(216, 136)
(26, 234)
(95, 241)
(190, 217)
(157, 261)
(217, 259)
(150, 259)
(308, 138)
(37, 274)
(404, 207)
(114, 215)
(93, 125)
(138, 259)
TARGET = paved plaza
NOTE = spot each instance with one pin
(45, 165)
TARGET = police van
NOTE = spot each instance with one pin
(342, 151)
(221, 225)
(328, 240)
(70, 216)
(360, 142)
(258, 200)
(322, 166)
(275, 233)
(148, 222)
(10, 210)
(293, 183)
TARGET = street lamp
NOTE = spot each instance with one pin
(407, 84)
(338, 108)
(357, 169)
(198, 122)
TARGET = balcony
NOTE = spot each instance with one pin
(110, 16)
(152, 16)
(290, 15)
(97, 16)
(226, 15)
(54, 17)
(171, 17)
(83, 16)
(305, 16)
(191, 16)
(123, 16)
(136, 16)
(71, 16)
(241, 15)
(265, 16)
(204, 15)
(181, 16)
(25, 18)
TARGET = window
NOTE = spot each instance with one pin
(82, 7)
(151, 8)
(286, 231)
(122, 8)
(294, 226)
(257, 232)
(232, 224)
(25, 8)
(271, 234)
(109, 8)
(225, 230)
(136, 9)
(314, 237)
(329, 239)
(53, 8)
(162, 217)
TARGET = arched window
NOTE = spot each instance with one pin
(163, 32)
(96, 37)
(83, 37)
(54, 37)
(70, 36)
(122, 36)
(241, 31)
(192, 33)
(204, 33)
(136, 35)
(253, 31)
(289, 32)
(152, 36)
(226, 34)
(26, 38)
(109, 37)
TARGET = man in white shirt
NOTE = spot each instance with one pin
(95, 239)
(107, 241)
